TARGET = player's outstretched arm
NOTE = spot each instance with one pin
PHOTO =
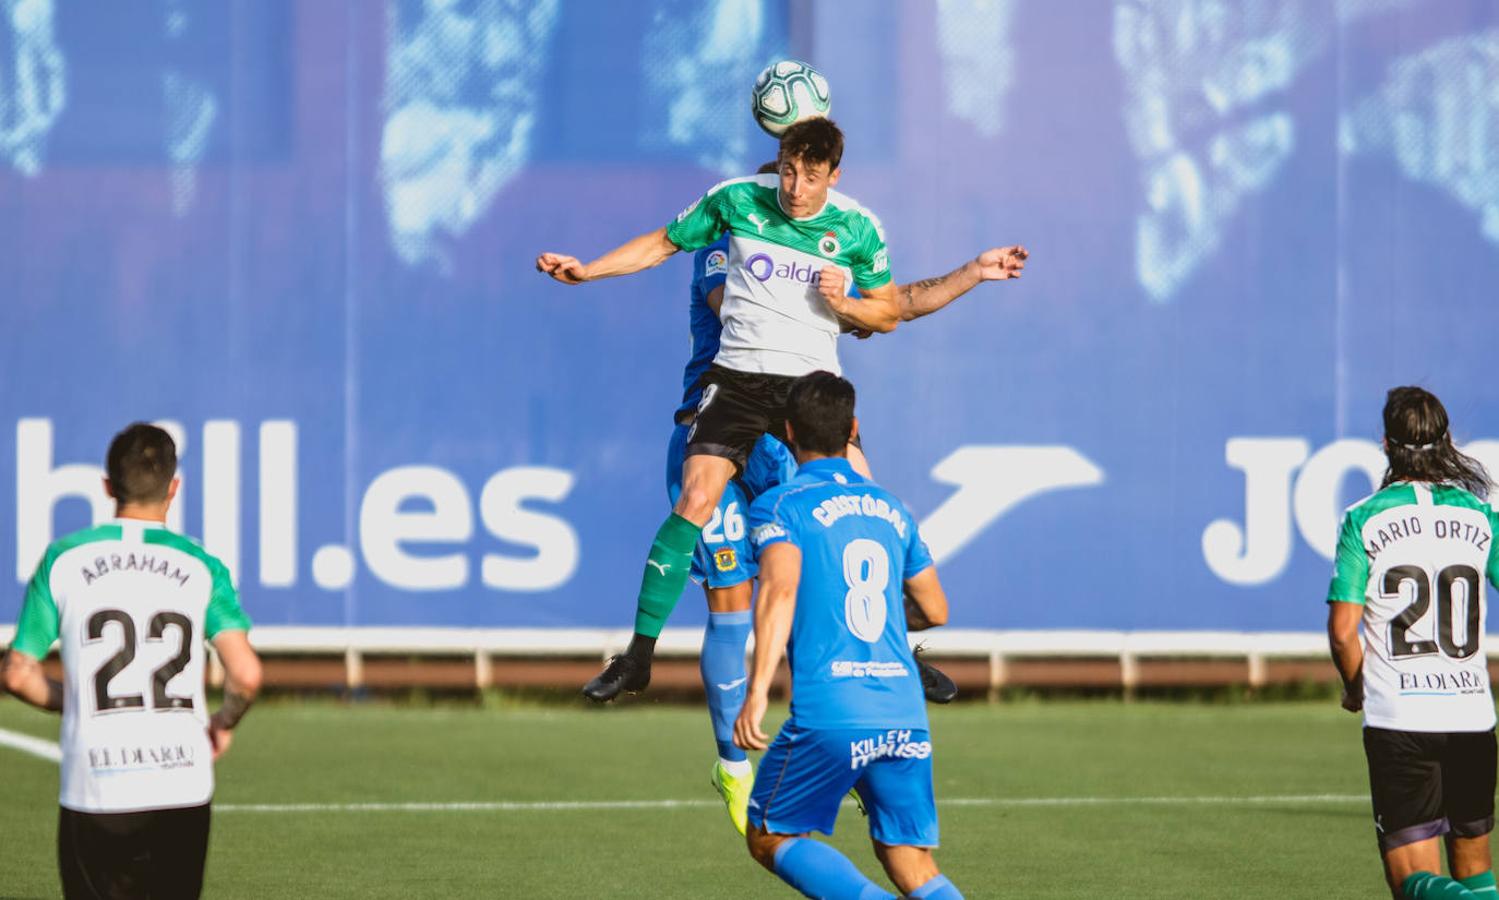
(24, 677)
(924, 297)
(780, 572)
(924, 592)
(241, 687)
(634, 255)
(1347, 651)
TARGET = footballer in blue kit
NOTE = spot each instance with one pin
(722, 561)
(838, 558)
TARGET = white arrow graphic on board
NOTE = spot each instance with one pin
(990, 481)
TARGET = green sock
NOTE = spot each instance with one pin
(666, 571)
(1426, 886)
(1481, 885)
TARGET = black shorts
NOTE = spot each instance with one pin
(156, 853)
(1426, 784)
(738, 407)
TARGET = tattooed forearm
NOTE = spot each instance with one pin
(924, 297)
(25, 678)
(910, 291)
(233, 709)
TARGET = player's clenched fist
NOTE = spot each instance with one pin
(833, 287)
(1002, 263)
(565, 269)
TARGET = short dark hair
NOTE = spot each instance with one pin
(1418, 444)
(813, 140)
(820, 410)
(768, 168)
(141, 464)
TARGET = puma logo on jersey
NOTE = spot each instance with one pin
(660, 567)
(758, 222)
(733, 684)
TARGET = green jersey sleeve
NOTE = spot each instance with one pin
(869, 259)
(1493, 547)
(704, 221)
(224, 612)
(1350, 573)
(36, 626)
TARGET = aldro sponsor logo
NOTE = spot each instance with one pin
(763, 268)
(895, 744)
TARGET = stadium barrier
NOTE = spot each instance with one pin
(1130, 659)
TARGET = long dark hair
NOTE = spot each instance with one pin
(1418, 444)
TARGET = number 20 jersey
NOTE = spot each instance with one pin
(132, 604)
(1417, 557)
(851, 666)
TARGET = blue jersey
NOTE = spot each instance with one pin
(851, 666)
(710, 266)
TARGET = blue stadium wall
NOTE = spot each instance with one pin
(303, 233)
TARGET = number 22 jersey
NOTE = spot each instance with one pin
(132, 604)
(1416, 556)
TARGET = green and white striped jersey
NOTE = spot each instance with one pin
(1417, 556)
(132, 604)
(774, 321)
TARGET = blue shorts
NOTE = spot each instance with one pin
(805, 775)
(723, 557)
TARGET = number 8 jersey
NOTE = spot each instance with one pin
(1416, 556)
(132, 604)
(851, 666)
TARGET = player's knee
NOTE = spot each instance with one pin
(762, 846)
(696, 505)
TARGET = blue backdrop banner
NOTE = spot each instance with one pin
(302, 234)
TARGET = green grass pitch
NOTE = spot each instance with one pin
(1307, 832)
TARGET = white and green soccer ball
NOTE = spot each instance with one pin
(788, 92)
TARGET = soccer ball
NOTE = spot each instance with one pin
(786, 93)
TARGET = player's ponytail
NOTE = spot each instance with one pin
(1418, 444)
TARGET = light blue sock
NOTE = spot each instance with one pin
(722, 663)
(938, 888)
(818, 870)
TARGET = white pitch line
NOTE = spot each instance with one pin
(28, 744)
(569, 805)
(50, 751)
(480, 806)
